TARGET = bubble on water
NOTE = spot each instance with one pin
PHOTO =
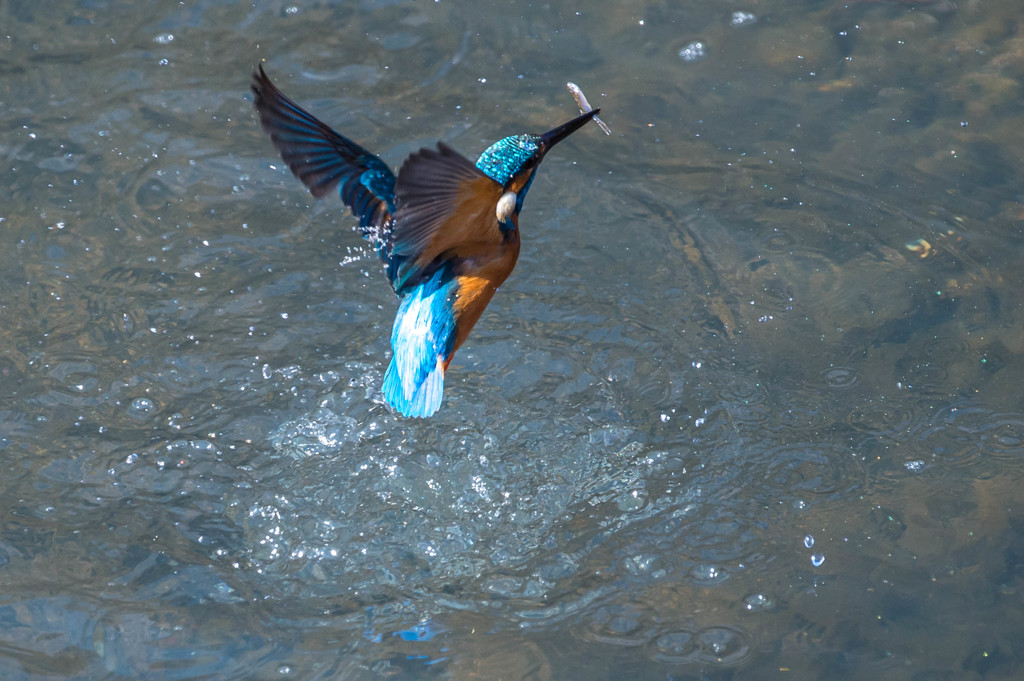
(164, 39)
(756, 602)
(839, 377)
(723, 646)
(720, 646)
(742, 19)
(817, 559)
(328, 378)
(141, 406)
(915, 466)
(622, 625)
(808, 541)
(675, 647)
(709, 574)
(639, 564)
(694, 51)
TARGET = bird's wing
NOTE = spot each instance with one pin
(323, 159)
(445, 208)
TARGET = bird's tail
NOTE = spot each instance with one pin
(423, 400)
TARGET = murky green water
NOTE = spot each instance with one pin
(749, 406)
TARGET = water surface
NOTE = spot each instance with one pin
(749, 406)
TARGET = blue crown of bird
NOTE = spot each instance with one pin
(446, 229)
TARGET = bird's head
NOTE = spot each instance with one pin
(512, 161)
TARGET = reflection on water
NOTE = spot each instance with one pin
(750, 404)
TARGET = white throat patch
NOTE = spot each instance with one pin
(506, 205)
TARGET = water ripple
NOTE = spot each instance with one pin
(965, 433)
(808, 468)
(951, 437)
(885, 418)
(1004, 433)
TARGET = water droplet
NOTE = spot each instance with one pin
(817, 559)
(694, 51)
(808, 541)
(742, 19)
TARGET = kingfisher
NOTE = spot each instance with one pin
(446, 229)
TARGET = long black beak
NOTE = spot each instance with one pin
(553, 137)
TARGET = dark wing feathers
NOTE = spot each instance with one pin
(323, 159)
(427, 193)
(433, 187)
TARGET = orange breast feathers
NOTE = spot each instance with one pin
(478, 278)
